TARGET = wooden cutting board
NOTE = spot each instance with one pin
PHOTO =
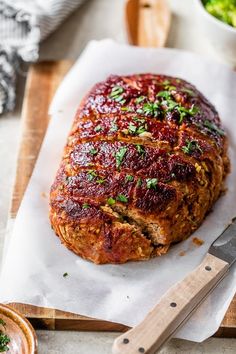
(43, 79)
(143, 18)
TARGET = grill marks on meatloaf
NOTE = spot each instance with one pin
(141, 154)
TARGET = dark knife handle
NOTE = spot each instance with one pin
(174, 308)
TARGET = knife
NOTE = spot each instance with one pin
(181, 300)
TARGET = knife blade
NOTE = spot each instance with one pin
(181, 300)
(224, 247)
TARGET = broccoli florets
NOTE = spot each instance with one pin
(224, 10)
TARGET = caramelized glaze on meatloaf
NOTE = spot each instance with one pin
(144, 163)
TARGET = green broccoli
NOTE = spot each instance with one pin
(224, 10)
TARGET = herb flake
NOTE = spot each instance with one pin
(150, 109)
(114, 126)
(116, 91)
(151, 183)
(98, 128)
(132, 128)
(213, 127)
(101, 181)
(140, 99)
(120, 156)
(139, 182)
(4, 341)
(93, 151)
(122, 198)
(85, 206)
(140, 149)
(111, 201)
(191, 146)
(117, 94)
(91, 174)
(129, 178)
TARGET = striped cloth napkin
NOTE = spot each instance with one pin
(23, 24)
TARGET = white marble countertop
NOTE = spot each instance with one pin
(97, 19)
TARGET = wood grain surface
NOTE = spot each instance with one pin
(173, 309)
(147, 22)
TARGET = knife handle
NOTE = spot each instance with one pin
(176, 305)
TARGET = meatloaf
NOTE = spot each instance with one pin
(144, 162)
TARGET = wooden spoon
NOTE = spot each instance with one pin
(147, 22)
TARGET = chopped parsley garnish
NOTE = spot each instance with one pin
(164, 94)
(114, 126)
(139, 120)
(121, 100)
(91, 175)
(170, 87)
(98, 128)
(172, 105)
(191, 146)
(119, 156)
(212, 127)
(151, 183)
(186, 90)
(150, 109)
(117, 94)
(167, 85)
(140, 149)
(165, 101)
(93, 151)
(139, 182)
(140, 99)
(129, 178)
(4, 341)
(132, 128)
(116, 91)
(141, 129)
(65, 275)
(101, 181)
(165, 82)
(111, 201)
(85, 206)
(122, 198)
(184, 111)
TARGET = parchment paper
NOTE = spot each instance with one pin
(36, 261)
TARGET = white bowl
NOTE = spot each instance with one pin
(221, 35)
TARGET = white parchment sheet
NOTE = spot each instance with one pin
(36, 261)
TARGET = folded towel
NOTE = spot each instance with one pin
(23, 24)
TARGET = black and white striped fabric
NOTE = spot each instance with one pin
(23, 24)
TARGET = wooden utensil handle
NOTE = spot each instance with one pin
(174, 307)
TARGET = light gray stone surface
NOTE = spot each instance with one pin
(97, 19)
(101, 343)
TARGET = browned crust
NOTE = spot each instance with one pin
(148, 218)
